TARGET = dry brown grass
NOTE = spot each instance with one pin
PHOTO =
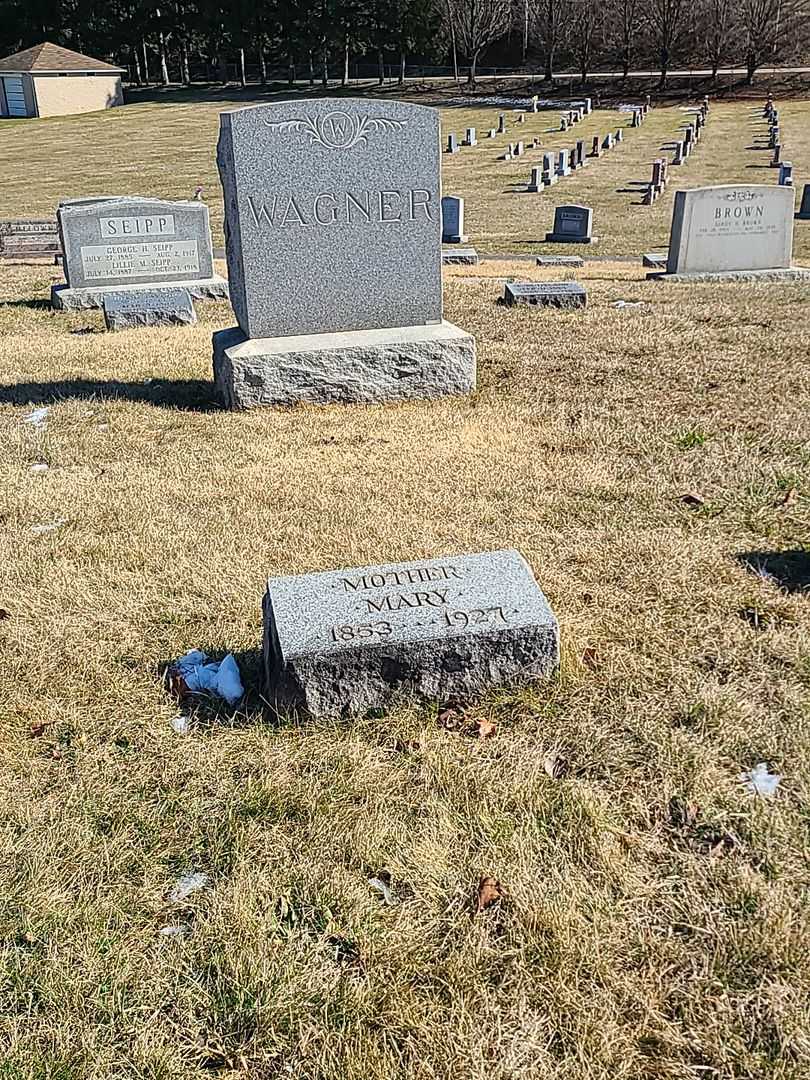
(166, 149)
(637, 941)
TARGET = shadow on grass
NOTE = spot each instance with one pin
(788, 570)
(189, 395)
(32, 305)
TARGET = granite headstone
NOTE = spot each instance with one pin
(345, 642)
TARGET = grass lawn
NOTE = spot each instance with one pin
(167, 149)
(656, 918)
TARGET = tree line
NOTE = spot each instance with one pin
(318, 40)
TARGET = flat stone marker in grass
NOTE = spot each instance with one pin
(560, 260)
(733, 232)
(148, 307)
(466, 256)
(122, 243)
(556, 294)
(344, 642)
(334, 256)
(572, 225)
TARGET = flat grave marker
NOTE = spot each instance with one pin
(148, 307)
(343, 642)
(556, 294)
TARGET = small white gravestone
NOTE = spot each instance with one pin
(453, 220)
(734, 230)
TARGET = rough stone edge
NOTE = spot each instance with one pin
(752, 276)
(456, 368)
(284, 683)
(64, 298)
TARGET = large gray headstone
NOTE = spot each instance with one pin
(733, 227)
(134, 241)
(333, 217)
(346, 641)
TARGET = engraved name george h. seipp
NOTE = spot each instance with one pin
(332, 215)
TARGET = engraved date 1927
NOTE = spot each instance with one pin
(362, 632)
(477, 616)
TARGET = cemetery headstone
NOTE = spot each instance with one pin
(465, 255)
(344, 642)
(607, 143)
(804, 209)
(334, 255)
(128, 243)
(734, 230)
(557, 294)
(148, 307)
(560, 260)
(596, 148)
(619, 135)
(470, 139)
(776, 161)
(549, 173)
(501, 124)
(563, 168)
(786, 174)
(572, 225)
(452, 144)
(534, 103)
(453, 220)
(536, 180)
(564, 123)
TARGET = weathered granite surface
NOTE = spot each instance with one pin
(64, 298)
(359, 366)
(347, 641)
(560, 260)
(332, 215)
(737, 227)
(465, 255)
(148, 307)
(558, 294)
(122, 240)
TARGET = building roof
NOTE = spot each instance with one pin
(47, 58)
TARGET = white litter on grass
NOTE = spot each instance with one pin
(40, 467)
(759, 781)
(174, 930)
(181, 725)
(52, 526)
(186, 885)
(220, 678)
(38, 417)
(627, 303)
(384, 890)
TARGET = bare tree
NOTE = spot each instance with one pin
(624, 16)
(550, 21)
(477, 24)
(586, 24)
(720, 31)
(771, 28)
(666, 22)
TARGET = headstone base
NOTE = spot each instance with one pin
(152, 307)
(461, 238)
(64, 298)
(563, 238)
(397, 363)
(796, 273)
(466, 256)
(654, 261)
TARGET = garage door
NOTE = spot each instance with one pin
(15, 98)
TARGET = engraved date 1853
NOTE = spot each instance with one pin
(476, 616)
(363, 632)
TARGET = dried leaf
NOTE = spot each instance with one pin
(591, 658)
(791, 497)
(489, 892)
(555, 763)
(486, 729)
(691, 498)
(4, 614)
(39, 728)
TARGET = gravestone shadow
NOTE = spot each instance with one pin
(32, 305)
(788, 570)
(187, 395)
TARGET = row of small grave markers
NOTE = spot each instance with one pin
(471, 137)
(771, 114)
(693, 132)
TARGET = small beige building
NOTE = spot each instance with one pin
(48, 80)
